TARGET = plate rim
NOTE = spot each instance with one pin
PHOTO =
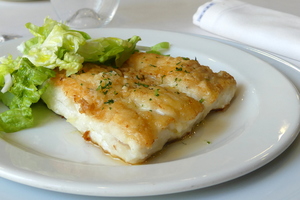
(177, 187)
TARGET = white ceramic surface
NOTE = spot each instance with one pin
(250, 133)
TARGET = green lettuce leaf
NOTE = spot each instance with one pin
(54, 45)
(16, 119)
(157, 49)
(7, 66)
(108, 50)
(27, 88)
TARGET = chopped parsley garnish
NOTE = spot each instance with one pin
(141, 84)
(156, 92)
(178, 79)
(162, 78)
(201, 100)
(105, 86)
(140, 78)
(105, 92)
(111, 101)
(178, 68)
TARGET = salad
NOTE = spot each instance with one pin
(54, 46)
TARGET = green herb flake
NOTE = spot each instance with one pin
(201, 100)
(162, 78)
(142, 84)
(178, 69)
(156, 92)
(111, 101)
(140, 78)
(105, 86)
(178, 79)
(105, 92)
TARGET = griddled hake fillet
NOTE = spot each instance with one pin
(133, 111)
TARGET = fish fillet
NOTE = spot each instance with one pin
(133, 111)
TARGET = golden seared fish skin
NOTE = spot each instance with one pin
(133, 111)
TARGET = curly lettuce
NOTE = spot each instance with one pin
(55, 45)
(27, 88)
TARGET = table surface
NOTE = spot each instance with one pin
(280, 179)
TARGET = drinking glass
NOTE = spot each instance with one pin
(85, 13)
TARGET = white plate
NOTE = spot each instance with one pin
(261, 123)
